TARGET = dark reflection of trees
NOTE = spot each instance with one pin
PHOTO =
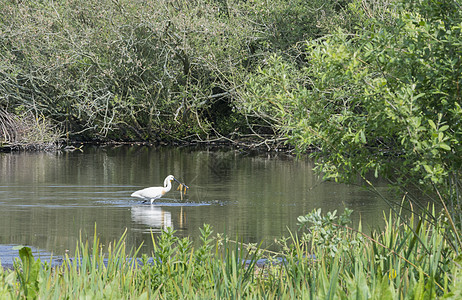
(220, 164)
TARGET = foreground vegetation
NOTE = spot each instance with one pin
(326, 259)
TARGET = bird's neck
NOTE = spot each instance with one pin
(168, 186)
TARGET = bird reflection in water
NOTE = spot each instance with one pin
(153, 216)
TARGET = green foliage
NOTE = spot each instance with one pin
(28, 273)
(383, 100)
(323, 232)
(118, 69)
(387, 265)
(283, 24)
(149, 70)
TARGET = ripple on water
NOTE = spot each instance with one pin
(165, 202)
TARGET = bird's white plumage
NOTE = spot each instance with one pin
(153, 193)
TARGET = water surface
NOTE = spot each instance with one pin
(48, 200)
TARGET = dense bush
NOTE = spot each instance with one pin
(119, 69)
(143, 70)
(383, 100)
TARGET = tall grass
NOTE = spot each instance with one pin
(326, 259)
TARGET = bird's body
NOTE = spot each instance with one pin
(153, 193)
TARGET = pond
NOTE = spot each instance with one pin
(49, 200)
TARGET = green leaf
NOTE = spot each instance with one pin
(444, 128)
(428, 169)
(444, 146)
(419, 288)
(432, 124)
(363, 136)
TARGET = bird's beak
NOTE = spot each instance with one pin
(180, 183)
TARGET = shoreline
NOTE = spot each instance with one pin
(247, 146)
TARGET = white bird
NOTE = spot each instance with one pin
(153, 193)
